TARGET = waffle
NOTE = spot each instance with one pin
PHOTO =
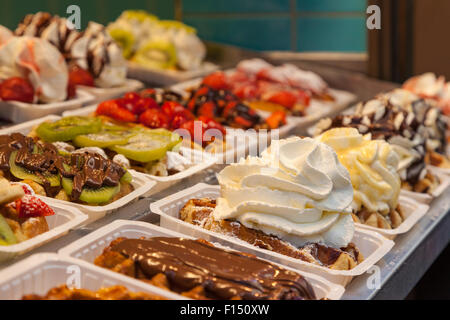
(437, 160)
(198, 212)
(375, 219)
(197, 269)
(425, 185)
(111, 293)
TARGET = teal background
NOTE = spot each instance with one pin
(297, 25)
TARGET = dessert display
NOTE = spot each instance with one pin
(157, 44)
(109, 293)
(22, 215)
(32, 71)
(276, 88)
(152, 151)
(408, 130)
(92, 56)
(83, 177)
(199, 270)
(5, 35)
(372, 165)
(294, 200)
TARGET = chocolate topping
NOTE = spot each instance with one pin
(223, 274)
(41, 158)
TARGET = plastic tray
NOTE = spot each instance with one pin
(101, 94)
(413, 211)
(167, 77)
(425, 197)
(372, 245)
(42, 272)
(92, 245)
(17, 112)
(65, 219)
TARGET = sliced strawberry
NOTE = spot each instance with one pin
(303, 97)
(216, 80)
(131, 97)
(276, 119)
(80, 77)
(229, 108)
(29, 206)
(154, 118)
(17, 89)
(285, 98)
(212, 124)
(242, 122)
(111, 108)
(207, 109)
(170, 108)
(143, 104)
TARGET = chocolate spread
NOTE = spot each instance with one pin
(41, 158)
(223, 274)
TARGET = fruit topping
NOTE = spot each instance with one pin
(17, 89)
(113, 109)
(30, 206)
(68, 128)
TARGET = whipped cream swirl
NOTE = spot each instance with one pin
(297, 190)
(372, 165)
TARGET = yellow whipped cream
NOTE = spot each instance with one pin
(297, 190)
(372, 165)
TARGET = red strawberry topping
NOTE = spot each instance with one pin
(29, 206)
(17, 89)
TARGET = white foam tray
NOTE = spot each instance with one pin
(65, 218)
(372, 245)
(167, 77)
(92, 245)
(413, 212)
(142, 185)
(42, 272)
(101, 94)
(426, 197)
(317, 109)
(18, 112)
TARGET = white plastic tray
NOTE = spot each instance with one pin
(92, 245)
(101, 94)
(18, 112)
(372, 245)
(413, 212)
(64, 219)
(167, 77)
(425, 197)
(42, 272)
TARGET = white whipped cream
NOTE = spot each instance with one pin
(94, 150)
(122, 160)
(5, 35)
(297, 191)
(38, 61)
(177, 161)
(372, 165)
(426, 84)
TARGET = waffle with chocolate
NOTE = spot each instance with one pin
(377, 220)
(110, 293)
(199, 212)
(199, 270)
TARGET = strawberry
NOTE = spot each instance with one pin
(170, 108)
(303, 97)
(181, 117)
(285, 98)
(207, 109)
(131, 97)
(29, 206)
(216, 80)
(143, 104)
(111, 108)
(80, 77)
(211, 124)
(154, 118)
(17, 89)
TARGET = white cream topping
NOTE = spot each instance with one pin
(92, 150)
(5, 35)
(121, 160)
(297, 190)
(176, 161)
(38, 61)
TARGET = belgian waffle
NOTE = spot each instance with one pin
(375, 219)
(198, 212)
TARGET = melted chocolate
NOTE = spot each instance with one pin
(90, 170)
(223, 274)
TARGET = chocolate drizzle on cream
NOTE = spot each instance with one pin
(223, 274)
(41, 158)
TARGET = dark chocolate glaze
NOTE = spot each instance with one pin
(223, 274)
(86, 169)
(222, 100)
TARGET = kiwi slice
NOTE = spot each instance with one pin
(158, 54)
(126, 178)
(23, 174)
(125, 39)
(7, 236)
(68, 128)
(92, 196)
(102, 139)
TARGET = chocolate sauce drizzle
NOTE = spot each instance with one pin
(223, 274)
(41, 158)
